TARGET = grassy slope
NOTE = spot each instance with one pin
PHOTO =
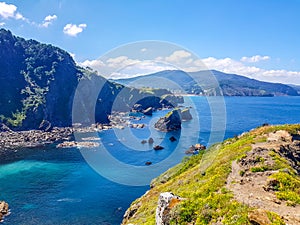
(207, 199)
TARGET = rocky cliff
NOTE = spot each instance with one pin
(38, 82)
(250, 179)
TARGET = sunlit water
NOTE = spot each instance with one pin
(57, 186)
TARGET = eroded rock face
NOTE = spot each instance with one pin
(166, 202)
(186, 114)
(171, 121)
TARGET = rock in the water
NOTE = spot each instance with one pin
(166, 202)
(148, 111)
(186, 114)
(3, 210)
(158, 147)
(45, 125)
(148, 163)
(172, 139)
(143, 141)
(150, 141)
(171, 121)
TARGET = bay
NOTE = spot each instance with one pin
(73, 186)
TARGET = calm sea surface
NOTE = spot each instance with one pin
(95, 186)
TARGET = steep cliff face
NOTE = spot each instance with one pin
(38, 82)
(250, 179)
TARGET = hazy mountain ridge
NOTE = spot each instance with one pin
(203, 83)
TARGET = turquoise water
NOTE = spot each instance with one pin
(57, 186)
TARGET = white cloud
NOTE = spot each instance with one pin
(255, 58)
(2, 24)
(176, 56)
(229, 65)
(95, 64)
(123, 66)
(144, 49)
(73, 29)
(9, 11)
(48, 20)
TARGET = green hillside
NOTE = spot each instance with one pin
(208, 197)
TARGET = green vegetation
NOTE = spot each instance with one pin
(207, 200)
(275, 219)
(289, 188)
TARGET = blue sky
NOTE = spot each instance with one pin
(257, 38)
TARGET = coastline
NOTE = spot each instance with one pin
(14, 140)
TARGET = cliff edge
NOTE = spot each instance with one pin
(253, 179)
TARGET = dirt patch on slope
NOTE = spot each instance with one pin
(254, 188)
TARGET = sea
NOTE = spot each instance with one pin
(96, 185)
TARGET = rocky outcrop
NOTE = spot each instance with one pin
(166, 202)
(4, 210)
(259, 217)
(186, 114)
(194, 149)
(171, 121)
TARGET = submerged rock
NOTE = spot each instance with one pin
(150, 141)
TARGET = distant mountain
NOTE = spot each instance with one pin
(203, 83)
(38, 82)
(296, 87)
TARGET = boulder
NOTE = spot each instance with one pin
(172, 139)
(191, 150)
(166, 202)
(200, 147)
(171, 121)
(186, 114)
(158, 147)
(4, 210)
(259, 217)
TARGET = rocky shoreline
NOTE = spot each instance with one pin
(14, 140)
(4, 210)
